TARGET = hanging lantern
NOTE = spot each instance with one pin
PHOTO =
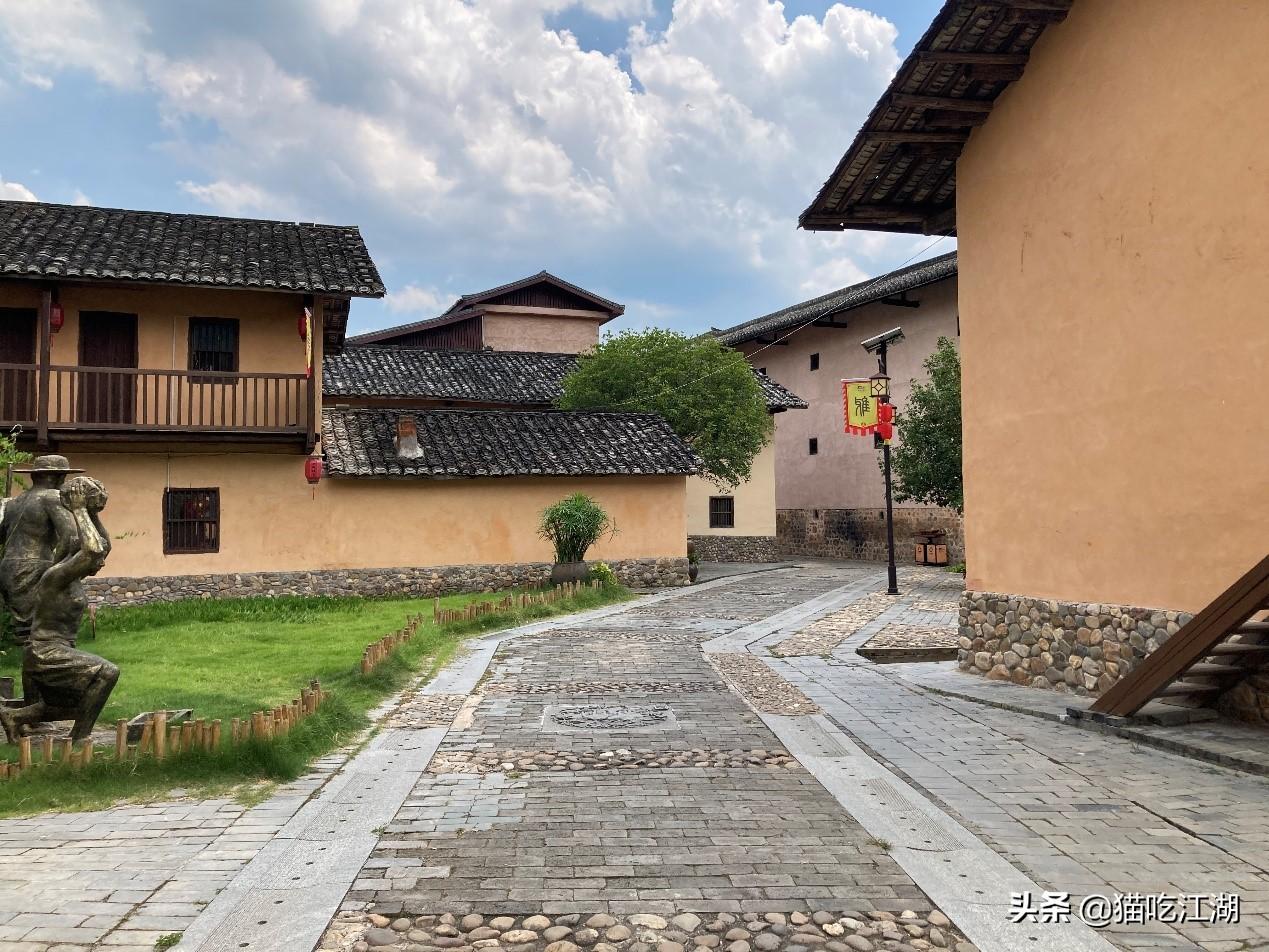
(313, 470)
(306, 315)
(880, 385)
(56, 317)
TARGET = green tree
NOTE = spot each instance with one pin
(706, 392)
(927, 458)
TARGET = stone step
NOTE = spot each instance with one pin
(1240, 650)
(1184, 688)
(1207, 669)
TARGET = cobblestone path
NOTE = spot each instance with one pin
(610, 791)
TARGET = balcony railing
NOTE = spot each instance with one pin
(125, 399)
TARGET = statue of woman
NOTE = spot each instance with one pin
(67, 683)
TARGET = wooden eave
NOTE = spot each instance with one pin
(899, 173)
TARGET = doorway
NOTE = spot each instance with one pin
(107, 339)
(17, 346)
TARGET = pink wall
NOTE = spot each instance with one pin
(845, 474)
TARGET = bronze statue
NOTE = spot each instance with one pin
(53, 540)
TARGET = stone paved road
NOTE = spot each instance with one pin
(608, 782)
(122, 878)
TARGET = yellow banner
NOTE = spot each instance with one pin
(860, 407)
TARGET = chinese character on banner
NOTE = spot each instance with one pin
(860, 407)
(308, 342)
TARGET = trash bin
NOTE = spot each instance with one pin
(931, 547)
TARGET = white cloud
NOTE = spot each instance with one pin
(80, 198)
(471, 124)
(422, 302)
(229, 198)
(15, 192)
(830, 276)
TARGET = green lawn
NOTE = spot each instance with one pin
(227, 658)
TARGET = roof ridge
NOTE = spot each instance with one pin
(200, 216)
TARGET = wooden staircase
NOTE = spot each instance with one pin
(1219, 647)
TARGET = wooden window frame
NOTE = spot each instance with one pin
(219, 372)
(813, 446)
(815, 361)
(719, 512)
(172, 545)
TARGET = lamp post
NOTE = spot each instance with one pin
(885, 415)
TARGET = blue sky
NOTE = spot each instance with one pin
(656, 152)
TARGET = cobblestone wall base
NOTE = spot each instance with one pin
(1070, 647)
(421, 581)
(861, 533)
(715, 548)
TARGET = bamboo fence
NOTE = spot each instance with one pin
(161, 740)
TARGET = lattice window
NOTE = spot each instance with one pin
(722, 512)
(213, 344)
(191, 521)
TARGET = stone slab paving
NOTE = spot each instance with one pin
(705, 832)
(1078, 811)
(123, 877)
(1220, 741)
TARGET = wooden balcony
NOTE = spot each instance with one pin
(119, 402)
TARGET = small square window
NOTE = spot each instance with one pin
(815, 361)
(813, 446)
(722, 512)
(191, 521)
(762, 370)
(213, 344)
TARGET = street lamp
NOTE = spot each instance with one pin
(880, 382)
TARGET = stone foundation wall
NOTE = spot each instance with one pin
(1070, 647)
(716, 548)
(1248, 700)
(861, 533)
(426, 581)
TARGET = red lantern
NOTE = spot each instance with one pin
(885, 421)
(56, 317)
(302, 324)
(313, 470)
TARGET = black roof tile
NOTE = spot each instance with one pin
(857, 295)
(81, 242)
(460, 444)
(484, 376)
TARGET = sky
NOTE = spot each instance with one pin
(656, 152)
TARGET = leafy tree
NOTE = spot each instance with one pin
(705, 391)
(927, 459)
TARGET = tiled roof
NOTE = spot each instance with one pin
(857, 295)
(470, 300)
(80, 242)
(468, 443)
(484, 376)
(778, 397)
(900, 172)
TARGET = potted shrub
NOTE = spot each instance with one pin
(693, 562)
(572, 526)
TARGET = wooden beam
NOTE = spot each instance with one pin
(901, 301)
(887, 212)
(1038, 15)
(994, 74)
(960, 58)
(46, 348)
(906, 136)
(768, 342)
(942, 223)
(909, 101)
(1030, 4)
(827, 323)
(950, 119)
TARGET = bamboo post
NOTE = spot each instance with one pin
(68, 748)
(187, 735)
(213, 741)
(24, 753)
(121, 740)
(87, 754)
(234, 727)
(160, 734)
(46, 749)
